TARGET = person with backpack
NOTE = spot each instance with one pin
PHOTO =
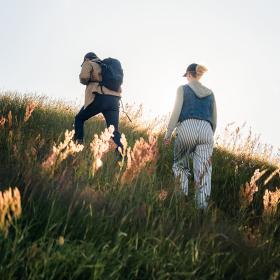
(103, 80)
(195, 118)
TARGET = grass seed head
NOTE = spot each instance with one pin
(10, 208)
(142, 153)
(10, 119)
(247, 192)
(2, 122)
(29, 109)
(62, 151)
(270, 201)
(99, 146)
(162, 195)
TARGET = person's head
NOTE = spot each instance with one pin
(90, 56)
(195, 72)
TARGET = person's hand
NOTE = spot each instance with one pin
(167, 141)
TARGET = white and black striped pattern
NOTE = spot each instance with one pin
(194, 140)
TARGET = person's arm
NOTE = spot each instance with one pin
(175, 113)
(214, 114)
(86, 73)
(109, 91)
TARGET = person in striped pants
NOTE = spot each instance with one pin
(195, 117)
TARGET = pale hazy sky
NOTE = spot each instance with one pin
(42, 44)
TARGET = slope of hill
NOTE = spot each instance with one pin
(80, 214)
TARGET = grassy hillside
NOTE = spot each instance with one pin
(122, 222)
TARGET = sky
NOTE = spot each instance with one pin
(42, 44)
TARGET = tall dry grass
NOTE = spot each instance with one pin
(127, 219)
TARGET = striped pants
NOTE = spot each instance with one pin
(194, 140)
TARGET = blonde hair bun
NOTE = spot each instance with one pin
(200, 69)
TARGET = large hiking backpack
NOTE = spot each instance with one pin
(112, 74)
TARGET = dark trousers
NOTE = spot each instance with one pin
(109, 106)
